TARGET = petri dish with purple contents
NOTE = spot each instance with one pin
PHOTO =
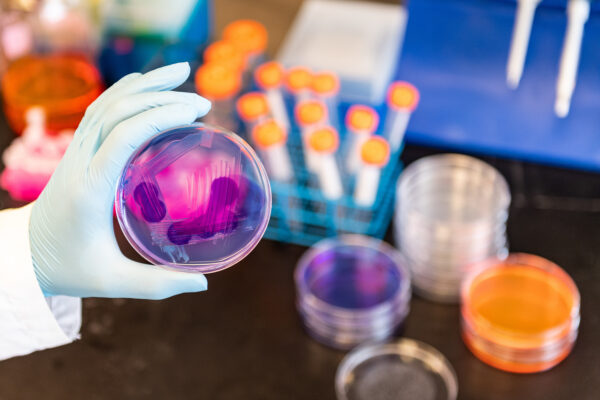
(195, 198)
(352, 289)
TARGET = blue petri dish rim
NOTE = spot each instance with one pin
(401, 297)
(215, 265)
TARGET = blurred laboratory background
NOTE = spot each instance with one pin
(435, 197)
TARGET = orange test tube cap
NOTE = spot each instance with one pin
(324, 140)
(361, 118)
(217, 81)
(249, 36)
(252, 105)
(402, 96)
(325, 84)
(269, 75)
(298, 79)
(375, 151)
(310, 112)
(267, 134)
(225, 52)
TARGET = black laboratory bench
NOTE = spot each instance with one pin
(243, 340)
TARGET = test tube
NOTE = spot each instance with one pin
(326, 87)
(402, 99)
(375, 154)
(297, 82)
(578, 12)
(269, 77)
(250, 37)
(226, 53)
(310, 115)
(520, 41)
(219, 84)
(252, 108)
(270, 138)
(324, 142)
(361, 123)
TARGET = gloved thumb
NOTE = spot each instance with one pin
(143, 281)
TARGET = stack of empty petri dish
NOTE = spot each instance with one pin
(451, 212)
(352, 289)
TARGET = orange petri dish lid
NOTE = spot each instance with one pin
(225, 52)
(311, 112)
(298, 79)
(402, 96)
(520, 314)
(325, 84)
(269, 75)
(252, 105)
(267, 134)
(324, 140)
(217, 81)
(375, 151)
(63, 84)
(249, 36)
(362, 119)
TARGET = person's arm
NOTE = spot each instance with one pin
(64, 244)
(28, 320)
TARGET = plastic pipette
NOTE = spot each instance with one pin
(520, 41)
(578, 12)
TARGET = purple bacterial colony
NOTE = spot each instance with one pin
(194, 198)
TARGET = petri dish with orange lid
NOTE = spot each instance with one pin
(374, 154)
(250, 36)
(402, 100)
(298, 81)
(361, 122)
(270, 138)
(225, 52)
(64, 85)
(520, 314)
(220, 84)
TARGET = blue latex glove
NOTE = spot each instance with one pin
(73, 246)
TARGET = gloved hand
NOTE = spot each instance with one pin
(72, 240)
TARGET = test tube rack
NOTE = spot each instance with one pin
(302, 215)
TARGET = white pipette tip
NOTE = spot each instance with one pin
(562, 106)
(578, 12)
(520, 41)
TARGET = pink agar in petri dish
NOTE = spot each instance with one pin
(194, 198)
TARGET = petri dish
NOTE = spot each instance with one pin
(402, 370)
(352, 289)
(520, 314)
(64, 85)
(194, 198)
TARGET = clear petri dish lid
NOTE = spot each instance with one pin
(195, 197)
(403, 370)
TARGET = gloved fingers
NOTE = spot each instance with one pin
(143, 281)
(129, 106)
(109, 161)
(106, 95)
(160, 79)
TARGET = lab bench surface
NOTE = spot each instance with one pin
(243, 339)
